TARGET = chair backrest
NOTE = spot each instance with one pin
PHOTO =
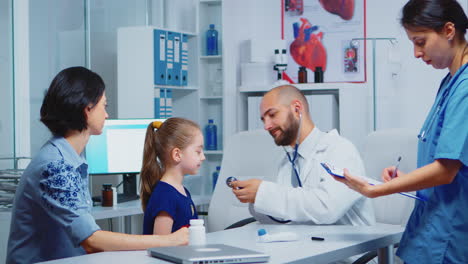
(248, 154)
(382, 149)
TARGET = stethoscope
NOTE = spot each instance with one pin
(422, 136)
(430, 124)
(293, 164)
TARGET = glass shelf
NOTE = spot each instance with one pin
(211, 57)
(211, 97)
(213, 152)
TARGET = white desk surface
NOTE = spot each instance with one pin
(340, 242)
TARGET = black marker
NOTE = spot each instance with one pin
(318, 238)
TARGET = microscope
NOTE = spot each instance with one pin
(281, 62)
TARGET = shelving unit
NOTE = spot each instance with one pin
(211, 84)
(203, 97)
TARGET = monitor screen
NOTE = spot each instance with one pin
(119, 149)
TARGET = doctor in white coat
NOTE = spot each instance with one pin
(302, 192)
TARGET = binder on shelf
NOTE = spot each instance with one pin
(168, 103)
(184, 60)
(177, 59)
(160, 57)
(170, 58)
(159, 103)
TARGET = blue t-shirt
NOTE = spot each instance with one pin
(166, 198)
(437, 229)
(51, 212)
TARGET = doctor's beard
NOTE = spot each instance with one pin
(289, 133)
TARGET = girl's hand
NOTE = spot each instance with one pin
(179, 237)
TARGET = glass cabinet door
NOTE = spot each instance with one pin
(6, 87)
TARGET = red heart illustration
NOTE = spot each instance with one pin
(343, 8)
(307, 49)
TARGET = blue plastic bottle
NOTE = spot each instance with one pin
(216, 175)
(212, 41)
(211, 142)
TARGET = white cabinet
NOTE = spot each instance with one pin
(200, 99)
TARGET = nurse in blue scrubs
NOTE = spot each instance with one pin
(437, 229)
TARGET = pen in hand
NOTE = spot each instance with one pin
(394, 174)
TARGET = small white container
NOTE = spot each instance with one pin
(114, 196)
(197, 234)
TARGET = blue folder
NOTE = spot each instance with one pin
(170, 58)
(184, 60)
(177, 59)
(159, 37)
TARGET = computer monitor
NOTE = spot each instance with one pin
(119, 150)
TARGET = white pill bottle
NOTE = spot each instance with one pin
(197, 233)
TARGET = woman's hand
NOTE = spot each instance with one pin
(387, 174)
(356, 183)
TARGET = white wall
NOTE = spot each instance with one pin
(403, 100)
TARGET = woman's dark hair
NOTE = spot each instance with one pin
(434, 14)
(71, 91)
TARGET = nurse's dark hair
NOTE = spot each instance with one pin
(434, 14)
(160, 140)
(64, 104)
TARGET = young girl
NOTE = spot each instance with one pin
(172, 149)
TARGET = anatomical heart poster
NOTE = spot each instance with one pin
(325, 35)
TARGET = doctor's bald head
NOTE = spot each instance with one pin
(287, 95)
(281, 111)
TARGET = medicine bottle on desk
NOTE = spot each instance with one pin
(197, 234)
(107, 195)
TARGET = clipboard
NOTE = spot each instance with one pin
(339, 173)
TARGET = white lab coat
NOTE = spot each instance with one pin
(321, 200)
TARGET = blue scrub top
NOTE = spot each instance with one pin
(437, 229)
(166, 198)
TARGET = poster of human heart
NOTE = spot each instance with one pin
(327, 36)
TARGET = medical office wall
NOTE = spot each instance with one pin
(405, 86)
(325, 36)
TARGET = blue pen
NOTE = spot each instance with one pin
(394, 174)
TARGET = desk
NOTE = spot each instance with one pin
(127, 209)
(340, 242)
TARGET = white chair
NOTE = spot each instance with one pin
(382, 149)
(248, 154)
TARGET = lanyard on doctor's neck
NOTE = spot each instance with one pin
(296, 172)
(293, 164)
